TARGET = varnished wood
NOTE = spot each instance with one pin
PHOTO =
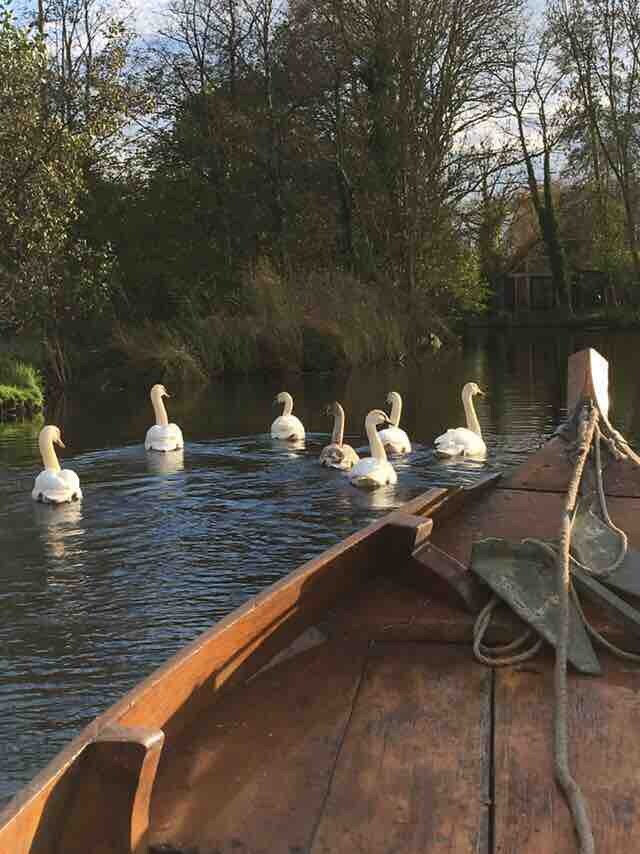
(471, 593)
(416, 528)
(254, 774)
(549, 470)
(413, 775)
(531, 816)
(111, 797)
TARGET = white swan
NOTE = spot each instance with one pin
(54, 485)
(394, 439)
(376, 470)
(162, 436)
(287, 426)
(466, 441)
(337, 455)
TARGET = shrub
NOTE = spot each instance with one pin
(20, 384)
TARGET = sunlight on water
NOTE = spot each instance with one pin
(94, 595)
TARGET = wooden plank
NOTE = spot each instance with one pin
(412, 776)
(386, 610)
(530, 814)
(549, 471)
(516, 514)
(252, 776)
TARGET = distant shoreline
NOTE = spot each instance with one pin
(610, 320)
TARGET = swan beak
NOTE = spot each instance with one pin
(60, 442)
(483, 393)
(166, 394)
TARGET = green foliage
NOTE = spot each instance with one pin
(159, 353)
(321, 323)
(39, 179)
(20, 383)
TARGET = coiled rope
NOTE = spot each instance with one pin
(591, 428)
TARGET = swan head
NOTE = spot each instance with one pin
(377, 416)
(393, 396)
(50, 435)
(470, 390)
(334, 409)
(285, 398)
(158, 391)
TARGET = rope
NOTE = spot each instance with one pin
(569, 786)
(497, 656)
(600, 639)
(624, 542)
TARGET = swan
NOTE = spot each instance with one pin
(337, 455)
(162, 436)
(287, 426)
(376, 470)
(54, 485)
(464, 441)
(394, 439)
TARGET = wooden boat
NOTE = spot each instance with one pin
(341, 710)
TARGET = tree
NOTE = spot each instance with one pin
(49, 274)
(599, 43)
(531, 85)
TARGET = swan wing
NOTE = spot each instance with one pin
(395, 440)
(287, 428)
(164, 437)
(341, 457)
(56, 487)
(371, 473)
(460, 441)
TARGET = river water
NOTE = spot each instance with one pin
(94, 595)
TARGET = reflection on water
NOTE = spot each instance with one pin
(165, 463)
(60, 529)
(291, 448)
(94, 595)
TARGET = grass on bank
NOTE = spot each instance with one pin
(330, 320)
(21, 386)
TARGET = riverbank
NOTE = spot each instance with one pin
(335, 322)
(21, 388)
(613, 318)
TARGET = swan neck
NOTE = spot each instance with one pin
(49, 456)
(396, 409)
(337, 437)
(375, 442)
(160, 411)
(470, 413)
(288, 405)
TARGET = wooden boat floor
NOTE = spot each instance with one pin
(399, 747)
(379, 733)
